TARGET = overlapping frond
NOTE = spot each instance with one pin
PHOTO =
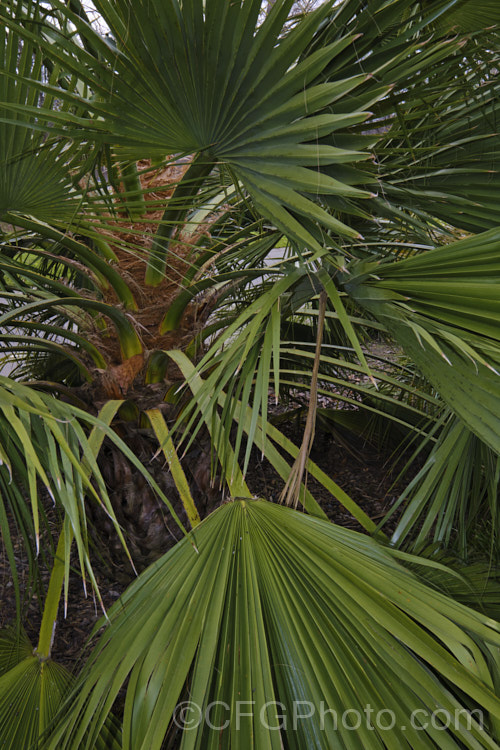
(277, 608)
(37, 171)
(443, 307)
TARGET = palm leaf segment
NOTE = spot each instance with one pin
(37, 173)
(31, 691)
(209, 80)
(436, 131)
(28, 687)
(443, 308)
(279, 607)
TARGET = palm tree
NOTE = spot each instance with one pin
(198, 207)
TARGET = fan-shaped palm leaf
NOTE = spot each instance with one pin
(31, 693)
(455, 491)
(36, 172)
(443, 308)
(280, 612)
(206, 81)
(435, 136)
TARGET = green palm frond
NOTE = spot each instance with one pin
(255, 113)
(46, 254)
(443, 308)
(34, 689)
(439, 158)
(44, 444)
(435, 134)
(259, 346)
(231, 620)
(36, 171)
(477, 584)
(466, 14)
(456, 491)
(330, 157)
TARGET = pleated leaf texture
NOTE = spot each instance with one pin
(443, 308)
(34, 170)
(31, 691)
(266, 626)
(211, 78)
